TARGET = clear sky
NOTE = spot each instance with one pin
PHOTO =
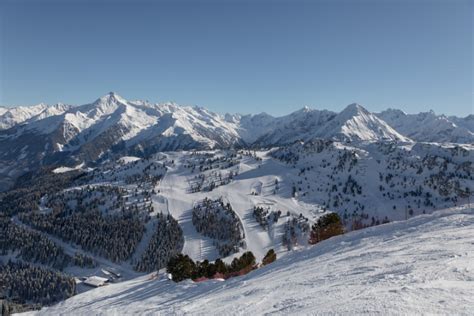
(241, 56)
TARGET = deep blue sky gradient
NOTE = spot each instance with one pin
(241, 56)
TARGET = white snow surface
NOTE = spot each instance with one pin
(10, 117)
(67, 169)
(421, 266)
(429, 127)
(136, 121)
(139, 120)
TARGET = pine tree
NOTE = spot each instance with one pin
(181, 267)
(269, 257)
(327, 226)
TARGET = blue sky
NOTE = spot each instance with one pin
(241, 56)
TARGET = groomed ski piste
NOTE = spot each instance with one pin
(421, 266)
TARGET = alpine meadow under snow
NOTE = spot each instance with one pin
(98, 201)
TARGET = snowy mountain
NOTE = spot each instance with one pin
(429, 127)
(111, 124)
(356, 123)
(3, 110)
(16, 115)
(42, 135)
(422, 266)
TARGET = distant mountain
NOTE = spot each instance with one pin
(429, 127)
(354, 123)
(42, 135)
(10, 117)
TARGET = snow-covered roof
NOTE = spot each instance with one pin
(96, 281)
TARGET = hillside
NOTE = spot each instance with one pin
(132, 215)
(422, 266)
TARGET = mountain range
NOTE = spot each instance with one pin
(44, 135)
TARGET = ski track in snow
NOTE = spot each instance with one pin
(421, 266)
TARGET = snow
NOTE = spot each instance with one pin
(12, 116)
(95, 281)
(355, 122)
(67, 169)
(127, 159)
(429, 127)
(138, 121)
(421, 266)
(255, 186)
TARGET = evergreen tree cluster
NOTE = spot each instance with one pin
(8, 307)
(29, 188)
(421, 179)
(166, 242)
(31, 246)
(84, 261)
(295, 230)
(210, 181)
(107, 199)
(182, 267)
(290, 156)
(141, 171)
(250, 153)
(214, 169)
(265, 217)
(24, 283)
(327, 226)
(113, 237)
(209, 161)
(270, 257)
(217, 220)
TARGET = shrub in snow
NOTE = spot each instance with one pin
(269, 257)
(182, 267)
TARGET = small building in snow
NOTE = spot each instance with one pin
(96, 281)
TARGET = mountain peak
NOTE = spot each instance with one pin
(355, 107)
(110, 98)
(303, 110)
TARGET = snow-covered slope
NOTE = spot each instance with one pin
(123, 121)
(12, 116)
(429, 127)
(110, 125)
(300, 125)
(421, 266)
(466, 122)
(356, 123)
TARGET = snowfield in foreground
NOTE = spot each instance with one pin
(421, 266)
